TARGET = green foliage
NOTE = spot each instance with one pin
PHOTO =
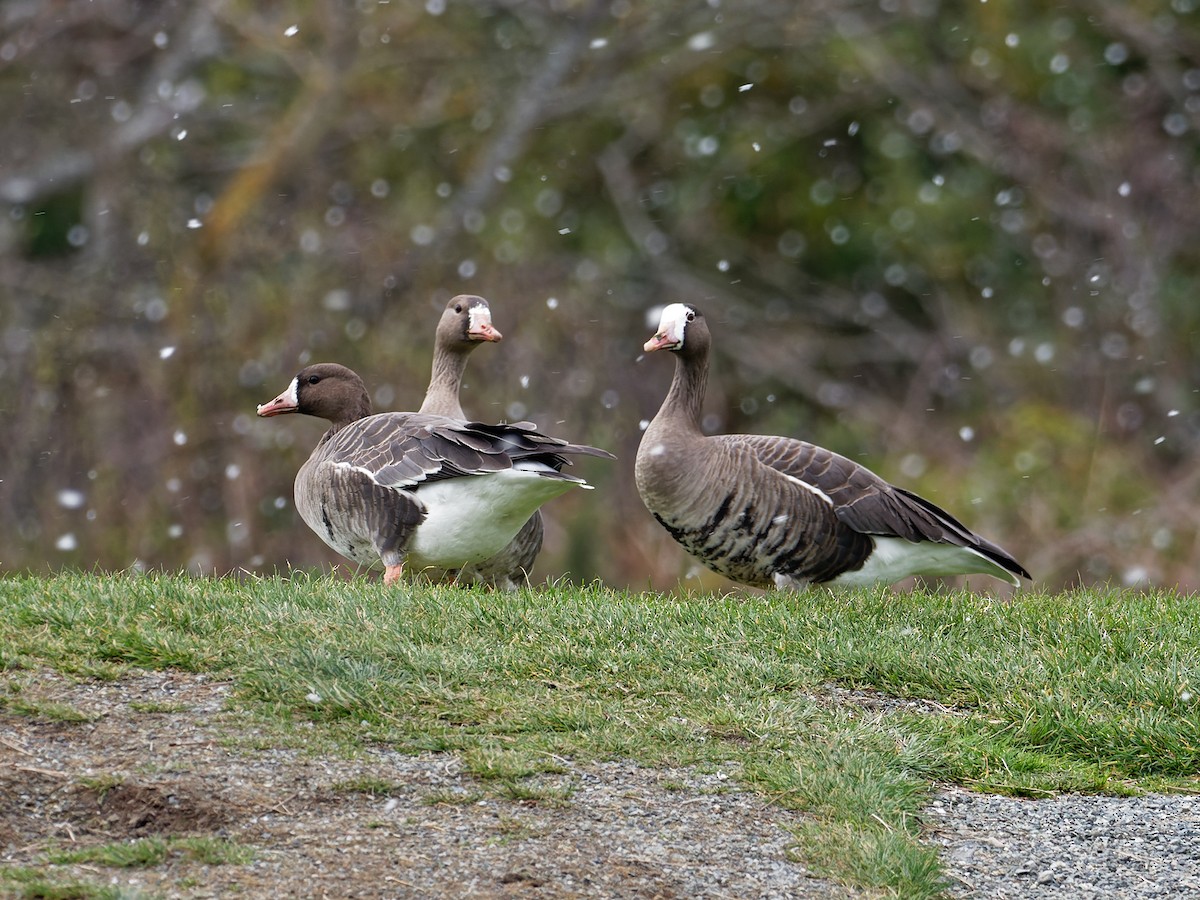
(373, 787)
(54, 712)
(101, 784)
(906, 219)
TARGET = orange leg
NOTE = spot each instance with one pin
(391, 574)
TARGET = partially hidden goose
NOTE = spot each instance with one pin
(775, 511)
(414, 489)
(466, 322)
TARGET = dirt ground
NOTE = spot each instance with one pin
(160, 755)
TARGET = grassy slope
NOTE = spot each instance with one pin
(1093, 690)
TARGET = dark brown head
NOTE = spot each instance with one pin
(465, 323)
(681, 329)
(325, 390)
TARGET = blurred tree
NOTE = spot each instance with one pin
(955, 243)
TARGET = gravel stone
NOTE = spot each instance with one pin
(1078, 847)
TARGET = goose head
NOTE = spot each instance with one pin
(465, 323)
(325, 390)
(681, 329)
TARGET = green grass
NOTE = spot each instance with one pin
(28, 883)
(1093, 690)
(369, 786)
(34, 883)
(153, 851)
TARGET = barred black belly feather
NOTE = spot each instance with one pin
(749, 541)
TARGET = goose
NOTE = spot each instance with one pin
(775, 511)
(466, 323)
(417, 489)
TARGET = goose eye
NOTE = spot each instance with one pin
(458, 308)
(691, 316)
(313, 379)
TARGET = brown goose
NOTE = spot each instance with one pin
(414, 489)
(466, 322)
(766, 510)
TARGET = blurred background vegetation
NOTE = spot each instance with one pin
(956, 242)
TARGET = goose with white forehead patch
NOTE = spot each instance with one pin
(466, 323)
(415, 489)
(775, 511)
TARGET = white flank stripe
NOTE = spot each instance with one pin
(368, 472)
(811, 488)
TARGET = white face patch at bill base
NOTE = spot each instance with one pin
(479, 316)
(290, 395)
(673, 322)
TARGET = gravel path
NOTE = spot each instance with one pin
(1083, 848)
(619, 830)
(384, 824)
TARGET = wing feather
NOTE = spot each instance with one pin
(865, 502)
(402, 450)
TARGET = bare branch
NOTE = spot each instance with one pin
(529, 110)
(160, 105)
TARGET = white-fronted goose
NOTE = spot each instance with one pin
(414, 489)
(765, 510)
(466, 322)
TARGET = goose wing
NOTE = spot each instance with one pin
(525, 442)
(865, 502)
(403, 450)
(862, 500)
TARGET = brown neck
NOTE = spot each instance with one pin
(444, 383)
(685, 399)
(352, 403)
(349, 414)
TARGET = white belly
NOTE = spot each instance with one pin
(895, 559)
(472, 519)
